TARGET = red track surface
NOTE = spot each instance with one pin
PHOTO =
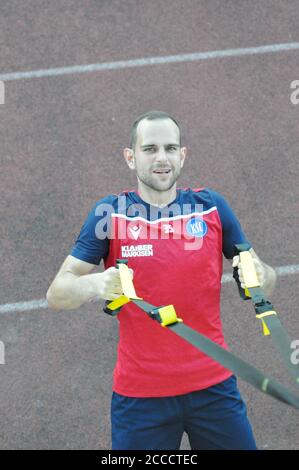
(62, 141)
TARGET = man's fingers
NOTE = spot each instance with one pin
(112, 287)
(111, 296)
(257, 266)
(114, 272)
(260, 271)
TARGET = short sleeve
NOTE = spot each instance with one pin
(232, 232)
(92, 243)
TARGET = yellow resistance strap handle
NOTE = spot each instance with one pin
(249, 272)
(127, 288)
(251, 282)
(118, 303)
(126, 282)
(167, 314)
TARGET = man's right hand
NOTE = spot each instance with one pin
(109, 286)
(73, 285)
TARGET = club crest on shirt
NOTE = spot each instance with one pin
(196, 227)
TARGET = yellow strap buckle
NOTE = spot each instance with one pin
(168, 315)
(119, 302)
(266, 331)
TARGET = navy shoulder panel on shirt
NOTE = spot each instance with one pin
(232, 232)
(92, 243)
(199, 198)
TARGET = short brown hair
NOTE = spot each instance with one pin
(151, 116)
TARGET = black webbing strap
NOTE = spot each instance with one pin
(228, 360)
(265, 312)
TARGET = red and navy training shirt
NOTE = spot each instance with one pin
(176, 254)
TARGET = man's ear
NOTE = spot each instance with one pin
(129, 157)
(183, 155)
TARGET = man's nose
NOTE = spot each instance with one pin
(162, 156)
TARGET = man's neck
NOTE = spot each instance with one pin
(157, 198)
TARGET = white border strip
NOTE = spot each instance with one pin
(163, 219)
(23, 306)
(40, 304)
(280, 271)
(142, 62)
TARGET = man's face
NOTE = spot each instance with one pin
(158, 158)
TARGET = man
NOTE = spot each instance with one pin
(174, 240)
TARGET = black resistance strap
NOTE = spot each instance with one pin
(166, 316)
(264, 308)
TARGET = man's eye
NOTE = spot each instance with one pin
(151, 149)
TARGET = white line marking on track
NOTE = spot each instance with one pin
(42, 303)
(142, 62)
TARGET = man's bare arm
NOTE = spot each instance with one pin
(73, 285)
